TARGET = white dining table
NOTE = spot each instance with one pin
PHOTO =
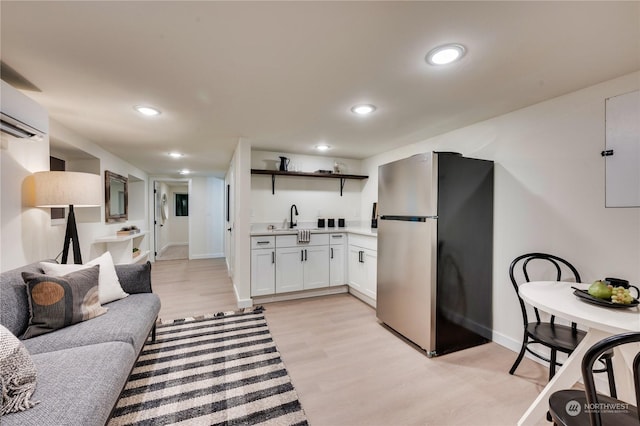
(557, 298)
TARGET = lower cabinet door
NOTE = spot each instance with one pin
(316, 267)
(289, 269)
(337, 265)
(370, 259)
(357, 273)
(263, 272)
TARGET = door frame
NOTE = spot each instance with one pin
(157, 218)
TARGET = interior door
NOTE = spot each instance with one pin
(229, 246)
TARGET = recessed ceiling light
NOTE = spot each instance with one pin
(185, 171)
(363, 109)
(445, 54)
(322, 147)
(175, 154)
(147, 110)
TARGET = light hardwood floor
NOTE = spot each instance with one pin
(349, 370)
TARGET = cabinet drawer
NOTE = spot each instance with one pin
(292, 240)
(337, 239)
(263, 242)
(363, 241)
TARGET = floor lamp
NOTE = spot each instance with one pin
(68, 189)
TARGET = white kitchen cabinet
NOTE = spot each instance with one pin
(301, 266)
(263, 272)
(263, 266)
(316, 267)
(337, 259)
(362, 264)
(289, 269)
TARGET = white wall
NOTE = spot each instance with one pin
(27, 232)
(203, 229)
(206, 205)
(24, 229)
(315, 198)
(92, 225)
(549, 191)
(179, 225)
(240, 175)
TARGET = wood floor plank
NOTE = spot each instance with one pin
(350, 370)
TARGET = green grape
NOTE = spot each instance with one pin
(621, 295)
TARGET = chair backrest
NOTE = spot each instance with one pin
(591, 356)
(562, 270)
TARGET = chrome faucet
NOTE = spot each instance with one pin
(293, 208)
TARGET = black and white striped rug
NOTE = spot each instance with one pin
(220, 369)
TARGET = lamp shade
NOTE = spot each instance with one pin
(61, 189)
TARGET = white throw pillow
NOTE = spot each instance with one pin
(109, 287)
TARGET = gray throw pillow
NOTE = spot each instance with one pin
(17, 374)
(57, 302)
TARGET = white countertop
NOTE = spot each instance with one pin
(349, 230)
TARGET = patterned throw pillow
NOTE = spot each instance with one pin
(17, 374)
(56, 302)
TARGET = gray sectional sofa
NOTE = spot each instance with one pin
(82, 368)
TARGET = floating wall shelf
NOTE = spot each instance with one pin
(274, 173)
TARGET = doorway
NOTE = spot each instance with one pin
(171, 219)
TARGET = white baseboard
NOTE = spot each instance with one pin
(300, 294)
(242, 303)
(366, 299)
(166, 246)
(207, 256)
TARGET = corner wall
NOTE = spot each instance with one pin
(240, 181)
(549, 191)
(27, 233)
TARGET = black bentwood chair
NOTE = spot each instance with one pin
(588, 408)
(556, 337)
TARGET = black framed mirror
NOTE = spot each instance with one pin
(116, 197)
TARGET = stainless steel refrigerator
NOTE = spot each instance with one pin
(435, 250)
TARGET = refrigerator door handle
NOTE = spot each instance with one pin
(407, 218)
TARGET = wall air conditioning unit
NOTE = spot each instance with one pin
(21, 116)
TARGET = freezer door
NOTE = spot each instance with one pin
(406, 293)
(408, 187)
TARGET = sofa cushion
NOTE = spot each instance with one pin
(17, 374)
(57, 302)
(108, 284)
(77, 386)
(135, 278)
(128, 320)
(14, 304)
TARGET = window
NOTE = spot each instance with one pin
(182, 204)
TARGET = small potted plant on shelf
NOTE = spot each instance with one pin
(136, 251)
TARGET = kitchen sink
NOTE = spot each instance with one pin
(294, 230)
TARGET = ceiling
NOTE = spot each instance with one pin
(284, 75)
